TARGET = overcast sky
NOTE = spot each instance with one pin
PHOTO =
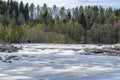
(74, 3)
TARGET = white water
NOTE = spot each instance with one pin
(59, 62)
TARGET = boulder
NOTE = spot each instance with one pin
(109, 52)
(117, 46)
(8, 48)
(1, 58)
(12, 57)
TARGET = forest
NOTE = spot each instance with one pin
(21, 23)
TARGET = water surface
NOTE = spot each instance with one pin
(59, 62)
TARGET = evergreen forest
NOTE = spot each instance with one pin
(20, 22)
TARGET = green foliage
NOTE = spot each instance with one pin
(89, 24)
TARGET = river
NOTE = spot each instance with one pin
(59, 62)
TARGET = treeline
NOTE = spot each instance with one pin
(21, 22)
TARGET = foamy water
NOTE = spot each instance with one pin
(59, 62)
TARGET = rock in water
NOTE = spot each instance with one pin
(117, 46)
(8, 48)
(109, 52)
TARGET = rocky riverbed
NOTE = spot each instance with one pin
(110, 50)
(82, 49)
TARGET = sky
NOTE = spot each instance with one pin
(74, 3)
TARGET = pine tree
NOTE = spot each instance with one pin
(31, 9)
(21, 19)
(26, 12)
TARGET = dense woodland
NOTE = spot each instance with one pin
(21, 22)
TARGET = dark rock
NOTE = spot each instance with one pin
(109, 52)
(94, 51)
(28, 41)
(25, 55)
(7, 61)
(1, 58)
(8, 48)
(12, 58)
